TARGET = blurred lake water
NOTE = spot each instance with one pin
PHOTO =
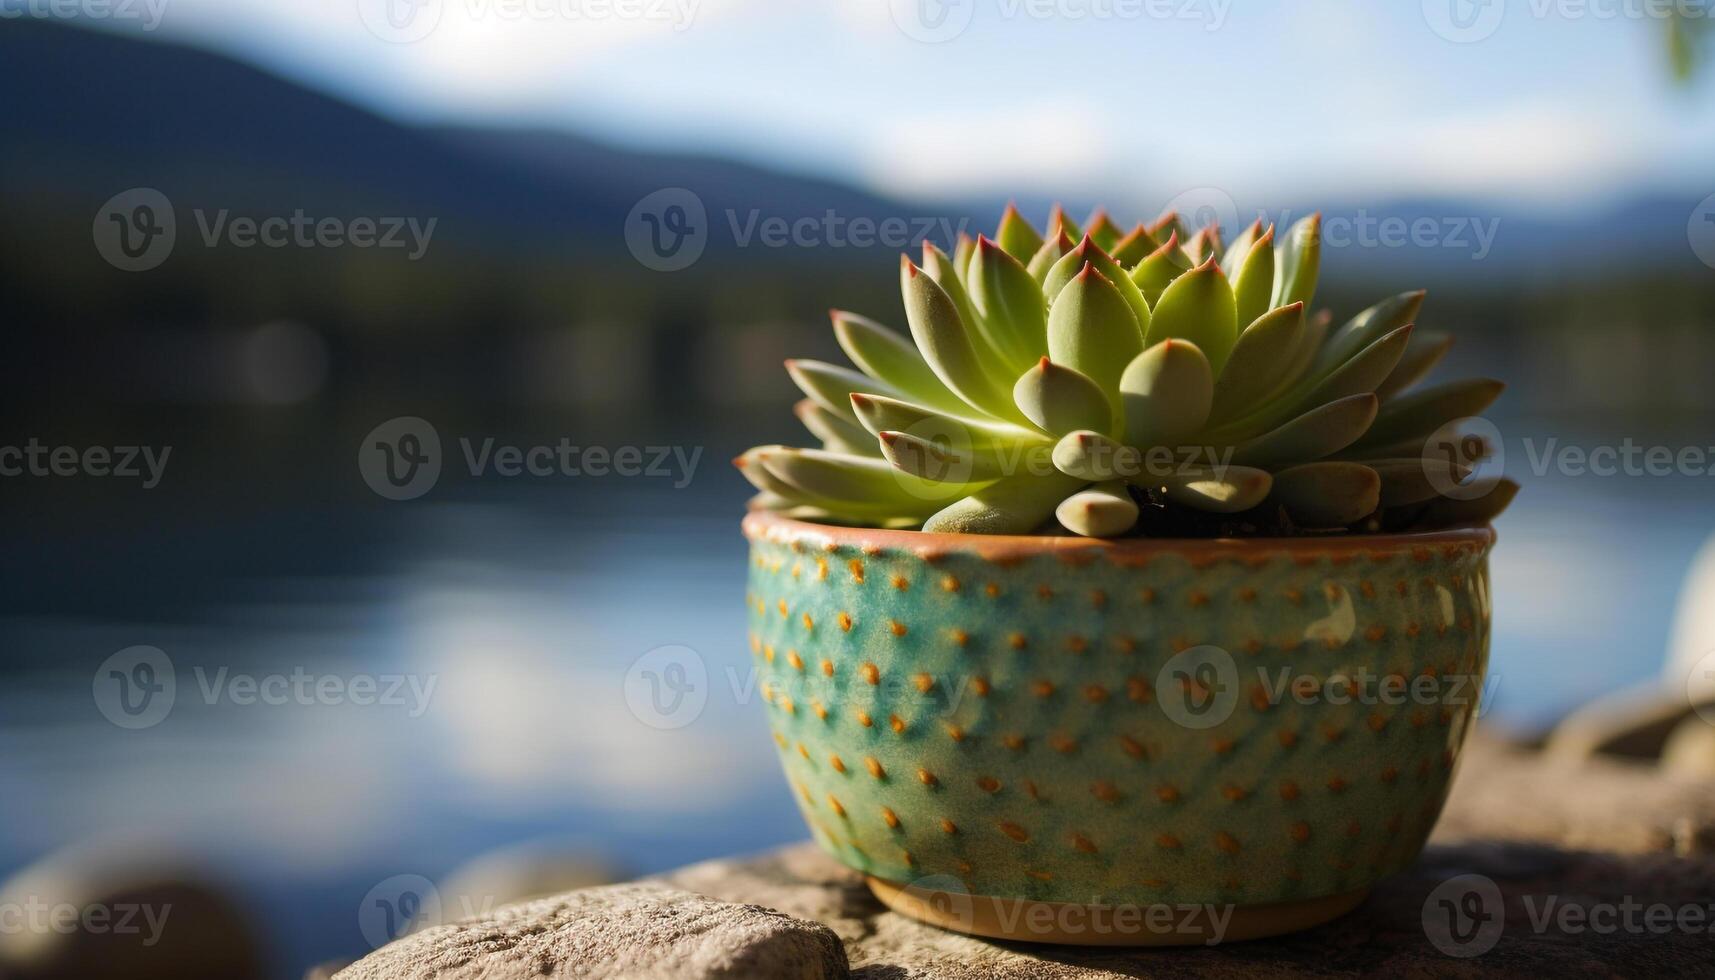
(508, 620)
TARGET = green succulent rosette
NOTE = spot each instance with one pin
(1156, 382)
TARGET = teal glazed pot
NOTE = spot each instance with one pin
(989, 726)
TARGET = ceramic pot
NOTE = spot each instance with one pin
(1070, 740)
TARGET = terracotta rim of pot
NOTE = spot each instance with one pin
(767, 525)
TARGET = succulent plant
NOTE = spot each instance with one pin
(1153, 381)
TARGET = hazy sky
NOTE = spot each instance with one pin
(1548, 100)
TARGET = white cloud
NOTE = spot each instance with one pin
(1059, 145)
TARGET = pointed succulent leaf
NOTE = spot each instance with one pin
(837, 434)
(831, 386)
(1299, 262)
(1426, 350)
(1204, 245)
(1158, 269)
(1061, 223)
(1013, 505)
(1406, 481)
(1317, 433)
(1170, 225)
(1101, 229)
(1369, 326)
(1049, 254)
(1198, 306)
(1010, 303)
(1105, 510)
(1421, 412)
(1016, 236)
(878, 414)
(1253, 282)
(935, 461)
(963, 250)
(1236, 252)
(946, 344)
(892, 359)
(1328, 494)
(940, 268)
(841, 477)
(1092, 329)
(1134, 247)
(1088, 253)
(1166, 393)
(756, 466)
(1258, 361)
(1217, 489)
(1089, 455)
(1363, 371)
(1059, 399)
(1449, 512)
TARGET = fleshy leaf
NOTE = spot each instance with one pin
(1091, 329)
(878, 414)
(1328, 494)
(1013, 505)
(1158, 268)
(1061, 223)
(885, 355)
(1166, 393)
(1198, 306)
(1405, 481)
(1101, 229)
(1253, 282)
(1047, 255)
(1449, 512)
(1317, 433)
(1239, 249)
(1016, 235)
(1089, 455)
(1426, 350)
(1258, 362)
(836, 433)
(946, 344)
(1009, 300)
(841, 477)
(1422, 412)
(1134, 247)
(831, 386)
(942, 464)
(1218, 490)
(1088, 253)
(1364, 371)
(1103, 511)
(1369, 326)
(753, 466)
(940, 268)
(1300, 262)
(1060, 399)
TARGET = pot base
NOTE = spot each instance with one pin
(1024, 920)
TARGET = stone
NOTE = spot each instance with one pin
(1539, 865)
(104, 912)
(1633, 723)
(637, 931)
(1505, 792)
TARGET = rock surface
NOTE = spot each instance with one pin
(639, 931)
(1540, 866)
